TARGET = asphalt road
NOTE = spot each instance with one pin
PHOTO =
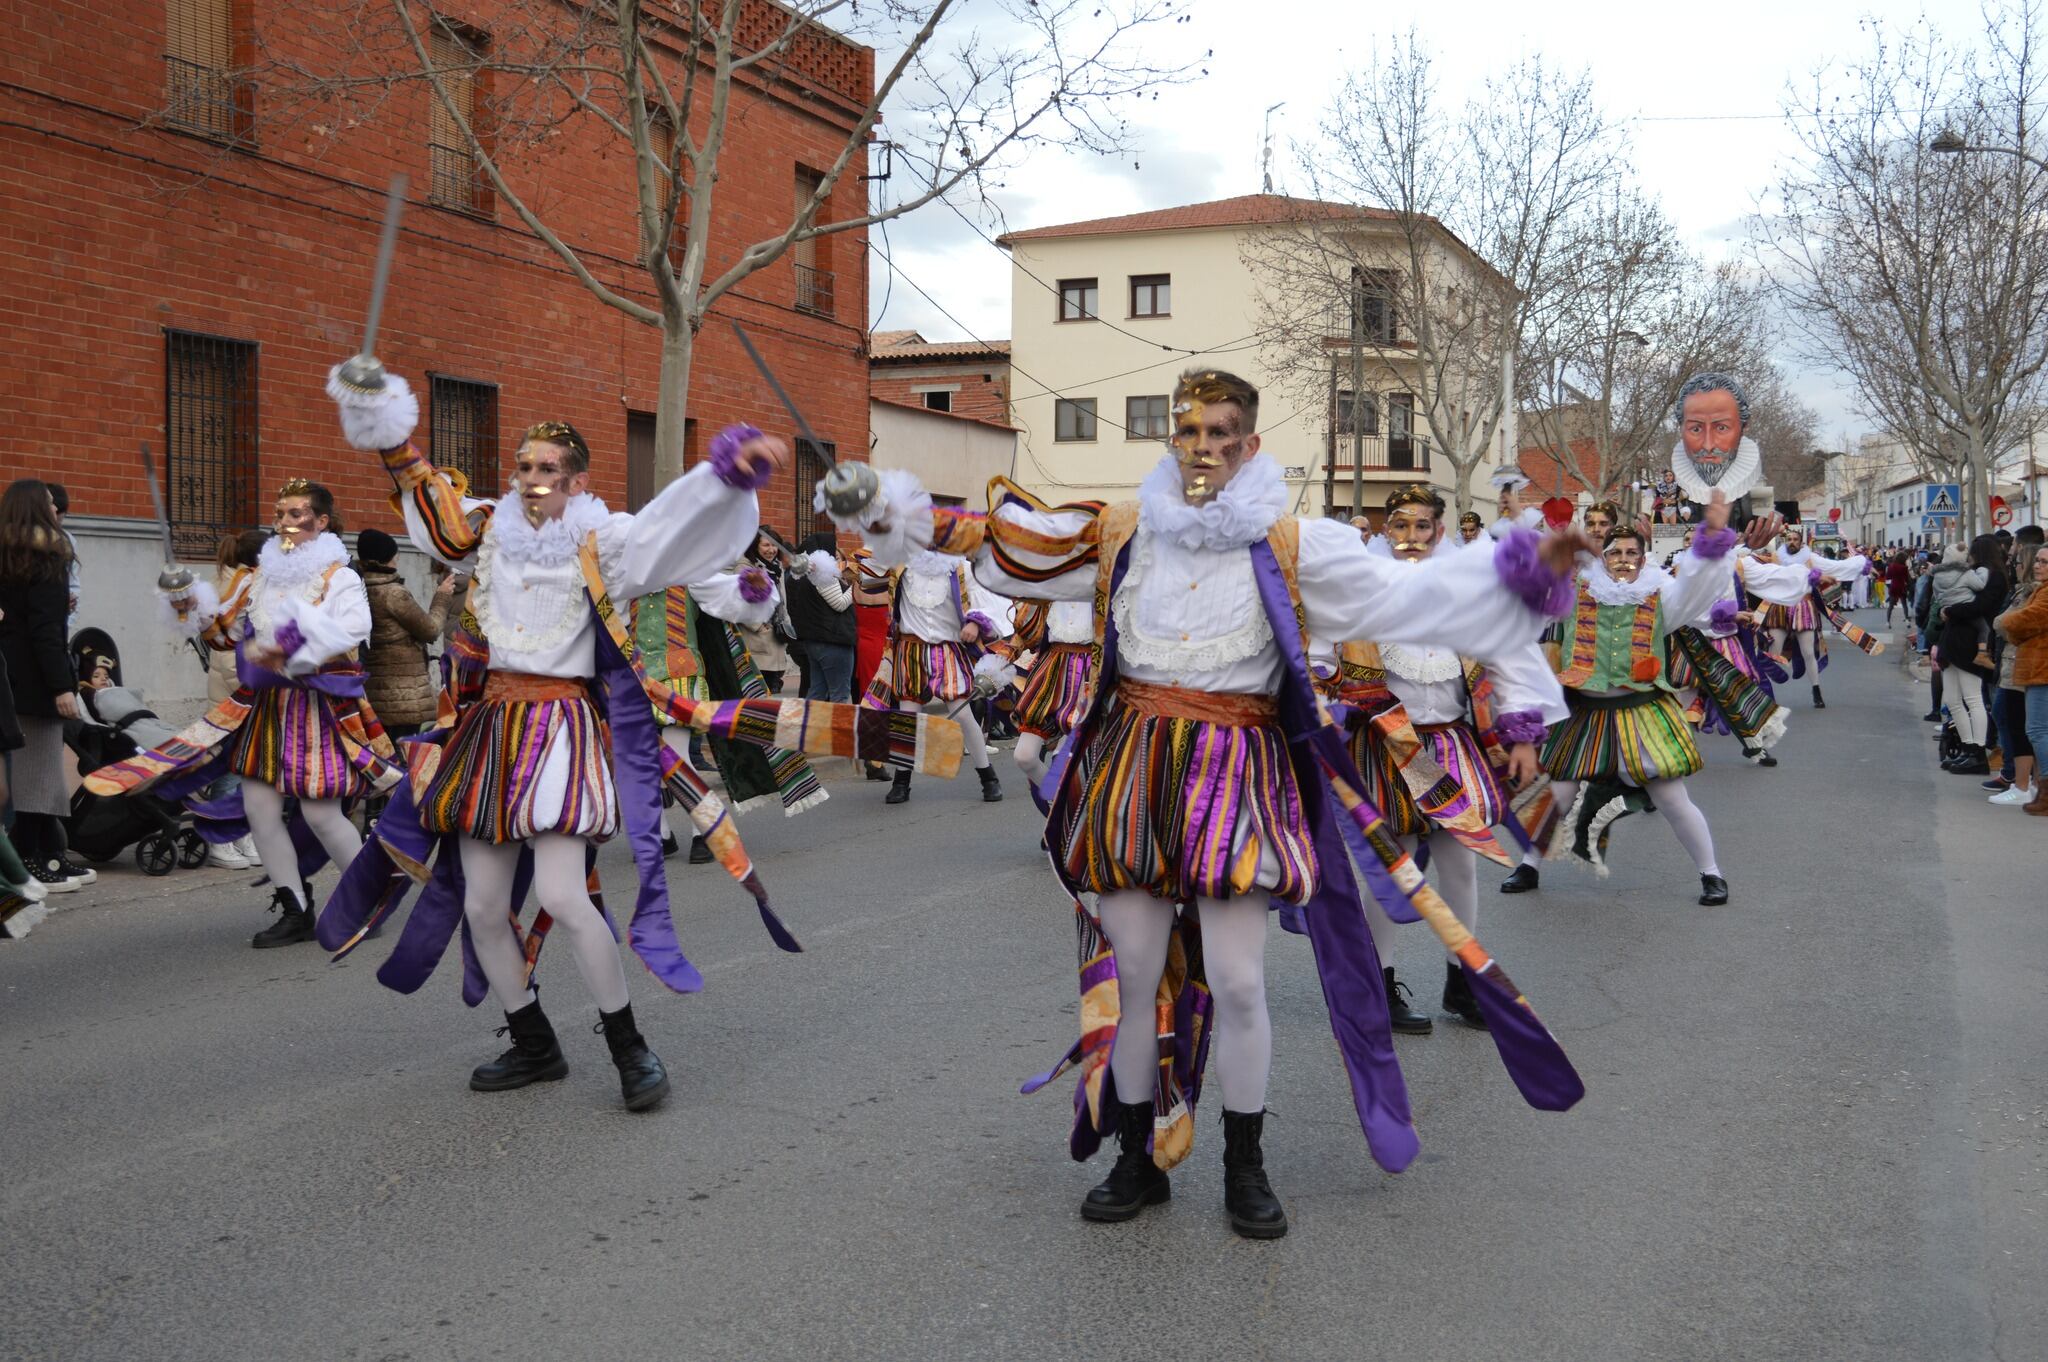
(1814, 1126)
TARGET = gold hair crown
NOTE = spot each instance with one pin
(296, 487)
(553, 432)
(1415, 494)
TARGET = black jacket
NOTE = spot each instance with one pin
(32, 643)
(813, 619)
(1967, 625)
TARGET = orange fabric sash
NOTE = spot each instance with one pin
(1179, 702)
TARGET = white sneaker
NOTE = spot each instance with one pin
(245, 847)
(225, 857)
(2013, 796)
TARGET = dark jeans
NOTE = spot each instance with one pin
(830, 674)
(2009, 712)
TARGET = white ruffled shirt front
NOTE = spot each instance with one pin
(926, 608)
(293, 586)
(1070, 622)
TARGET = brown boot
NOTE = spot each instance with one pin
(2040, 802)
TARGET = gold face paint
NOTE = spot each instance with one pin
(1208, 454)
(1411, 532)
(293, 519)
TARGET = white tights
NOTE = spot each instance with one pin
(1234, 957)
(970, 727)
(1805, 638)
(560, 886)
(1965, 696)
(1030, 755)
(265, 809)
(1688, 824)
(1454, 868)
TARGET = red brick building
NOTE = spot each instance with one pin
(190, 248)
(962, 378)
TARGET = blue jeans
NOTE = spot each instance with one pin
(2037, 720)
(2009, 712)
(831, 671)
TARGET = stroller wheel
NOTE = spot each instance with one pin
(191, 850)
(157, 854)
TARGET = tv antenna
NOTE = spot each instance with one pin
(1266, 154)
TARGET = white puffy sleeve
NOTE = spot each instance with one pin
(1698, 583)
(1055, 542)
(725, 596)
(324, 630)
(1472, 603)
(688, 533)
(1525, 682)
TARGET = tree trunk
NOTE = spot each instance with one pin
(1461, 488)
(678, 347)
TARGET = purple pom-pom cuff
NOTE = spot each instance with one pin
(725, 458)
(1813, 578)
(1721, 619)
(988, 626)
(290, 638)
(1521, 725)
(755, 585)
(1713, 545)
(1523, 571)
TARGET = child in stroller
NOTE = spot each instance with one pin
(101, 828)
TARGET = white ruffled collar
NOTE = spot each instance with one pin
(932, 563)
(554, 541)
(1742, 473)
(288, 569)
(1604, 588)
(1239, 515)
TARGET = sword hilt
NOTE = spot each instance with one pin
(849, 488)
(362, 373)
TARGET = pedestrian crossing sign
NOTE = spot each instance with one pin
(1943, 498)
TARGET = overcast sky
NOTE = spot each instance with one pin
(1700, 88)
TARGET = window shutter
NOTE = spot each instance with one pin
(200, 32)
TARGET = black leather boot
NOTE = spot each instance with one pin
(1818, 703)
(670, 845)
(1458, 999)
(1135, 1182)
(642, 1080)
(1972, 762)
(1406, 1019)
(700, 851)
(1523, 879)
(991, 788)
(294, 924)
(1713, 891)
(899, 788)
(535, 1056)
(877, 771)
(1255, 1212)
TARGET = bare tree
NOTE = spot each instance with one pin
(1431, 237)
(963, 96)
(1923, 271)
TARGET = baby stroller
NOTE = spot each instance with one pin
(101, 827)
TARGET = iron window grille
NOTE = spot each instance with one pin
(813, 462)
(462, 430)
(210, 433)
(814, 290)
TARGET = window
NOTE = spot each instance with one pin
(1372, 304)
(455, 178)
(1151, 295)
(661, 140)
(641, 428)
(201, 93)
(1145, 418)
(813, 462)
(813, 282)
(1079, 299)
(210, 428)
(462, 430)
(1404, 451)
(1073, 418)
(1366, 411)
(938, 401)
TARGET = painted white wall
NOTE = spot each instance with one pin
(952, 456)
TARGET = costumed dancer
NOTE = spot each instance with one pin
(1720, 670)
(1470, 527)
(559, 750)
(1057, 688)
(298, 726)
(1794, 607)
(1206, 779)
(940, 624)
(1435, 735)
(1627, 736)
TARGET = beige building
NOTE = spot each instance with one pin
(1105, 314)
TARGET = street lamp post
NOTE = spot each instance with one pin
(1951, 143)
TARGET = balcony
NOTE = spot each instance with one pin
(1369, 320)
(204, 100)
(814, 290)
(1377, 454)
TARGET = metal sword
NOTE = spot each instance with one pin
(174, 579)
(850, 488)
(361, 371)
